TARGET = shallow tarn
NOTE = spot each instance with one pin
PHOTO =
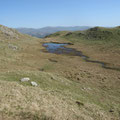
(60, 48)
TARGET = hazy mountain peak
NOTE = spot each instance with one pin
(42, 32)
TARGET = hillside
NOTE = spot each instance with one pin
(42, 32)
(68, 88)
(96, 35)
(8, 32)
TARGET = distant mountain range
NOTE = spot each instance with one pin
(42, 32)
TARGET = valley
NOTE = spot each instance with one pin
(69, 87)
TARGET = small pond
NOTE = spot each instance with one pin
(60, 48)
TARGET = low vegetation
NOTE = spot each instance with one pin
(97, 35)
(69, 89)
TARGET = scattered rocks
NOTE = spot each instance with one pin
(25, 79)
(86, 89)
(34, 83)
(13, 47)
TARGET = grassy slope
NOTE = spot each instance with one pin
(97, 35)
(100, 44)
(56, 96)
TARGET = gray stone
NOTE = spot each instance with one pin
(26, 79)
(12, 47)
(34, 83)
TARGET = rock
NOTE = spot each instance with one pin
(12, 33)
(111, 110)
(51, 60)
(41, 69)
(79, 103)
(25, 79)
(34, 84)
(78, 78)
(52, 78)
(12, 47)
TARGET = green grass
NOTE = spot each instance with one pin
(98, 35)
(60, 86)
(54, 90)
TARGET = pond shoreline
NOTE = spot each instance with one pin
(60, 48)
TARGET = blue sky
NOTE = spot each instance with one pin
(41, 13)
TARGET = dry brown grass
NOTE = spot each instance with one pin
(61, 83)
(30, 103)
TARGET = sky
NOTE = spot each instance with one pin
(42, 13)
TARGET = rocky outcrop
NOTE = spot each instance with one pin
(10, 33)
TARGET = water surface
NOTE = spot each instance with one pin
(60, 48)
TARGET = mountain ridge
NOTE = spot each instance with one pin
(97, 33)
(42, 32)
